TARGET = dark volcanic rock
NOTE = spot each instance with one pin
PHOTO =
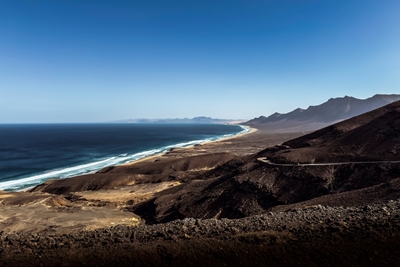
(160, 171)
(246, 186)
(263, 188)
(371, 136)
(309, 236)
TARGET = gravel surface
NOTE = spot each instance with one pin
(182, 242)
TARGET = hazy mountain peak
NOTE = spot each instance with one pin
(199, 119)
(315, 117)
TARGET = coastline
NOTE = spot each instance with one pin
(40, 210)
(102, 199)
(158, 155)
(158, 152)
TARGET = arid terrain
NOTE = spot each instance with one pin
(219, 204)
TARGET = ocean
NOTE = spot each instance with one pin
(33, 153)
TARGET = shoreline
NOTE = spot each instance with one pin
(158, 155)
(147, 158)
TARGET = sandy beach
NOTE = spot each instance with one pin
(82, 208)
(155, 157)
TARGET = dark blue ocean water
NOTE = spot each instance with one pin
(33, 153)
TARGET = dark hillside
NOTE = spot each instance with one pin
(246, 186)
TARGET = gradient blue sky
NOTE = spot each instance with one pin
(95, 61)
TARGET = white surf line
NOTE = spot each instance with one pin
(265, 160)
(125, 158)
(49, 175)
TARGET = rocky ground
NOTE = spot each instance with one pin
(244, 186)
(218, 205)
(309, 236)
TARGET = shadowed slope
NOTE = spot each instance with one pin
(245, 186)
(371, 136)
(179, 169)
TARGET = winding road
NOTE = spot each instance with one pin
(265, 160)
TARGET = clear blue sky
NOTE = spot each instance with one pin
(95, 61)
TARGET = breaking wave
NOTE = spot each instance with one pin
(86, 168)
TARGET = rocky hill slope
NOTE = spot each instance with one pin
(371, 136)
(313, 236)
(245, 186)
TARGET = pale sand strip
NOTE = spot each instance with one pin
(156, 156)
(159, 155)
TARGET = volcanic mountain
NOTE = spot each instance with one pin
(316, 117)
(248, 186)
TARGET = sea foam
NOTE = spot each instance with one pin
(70, 171)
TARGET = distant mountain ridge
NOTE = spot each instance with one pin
(371, 136)
(200, 120)
(315, 117)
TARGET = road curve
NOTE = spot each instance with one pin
(265, 160)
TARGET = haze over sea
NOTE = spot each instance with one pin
(33, 153)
